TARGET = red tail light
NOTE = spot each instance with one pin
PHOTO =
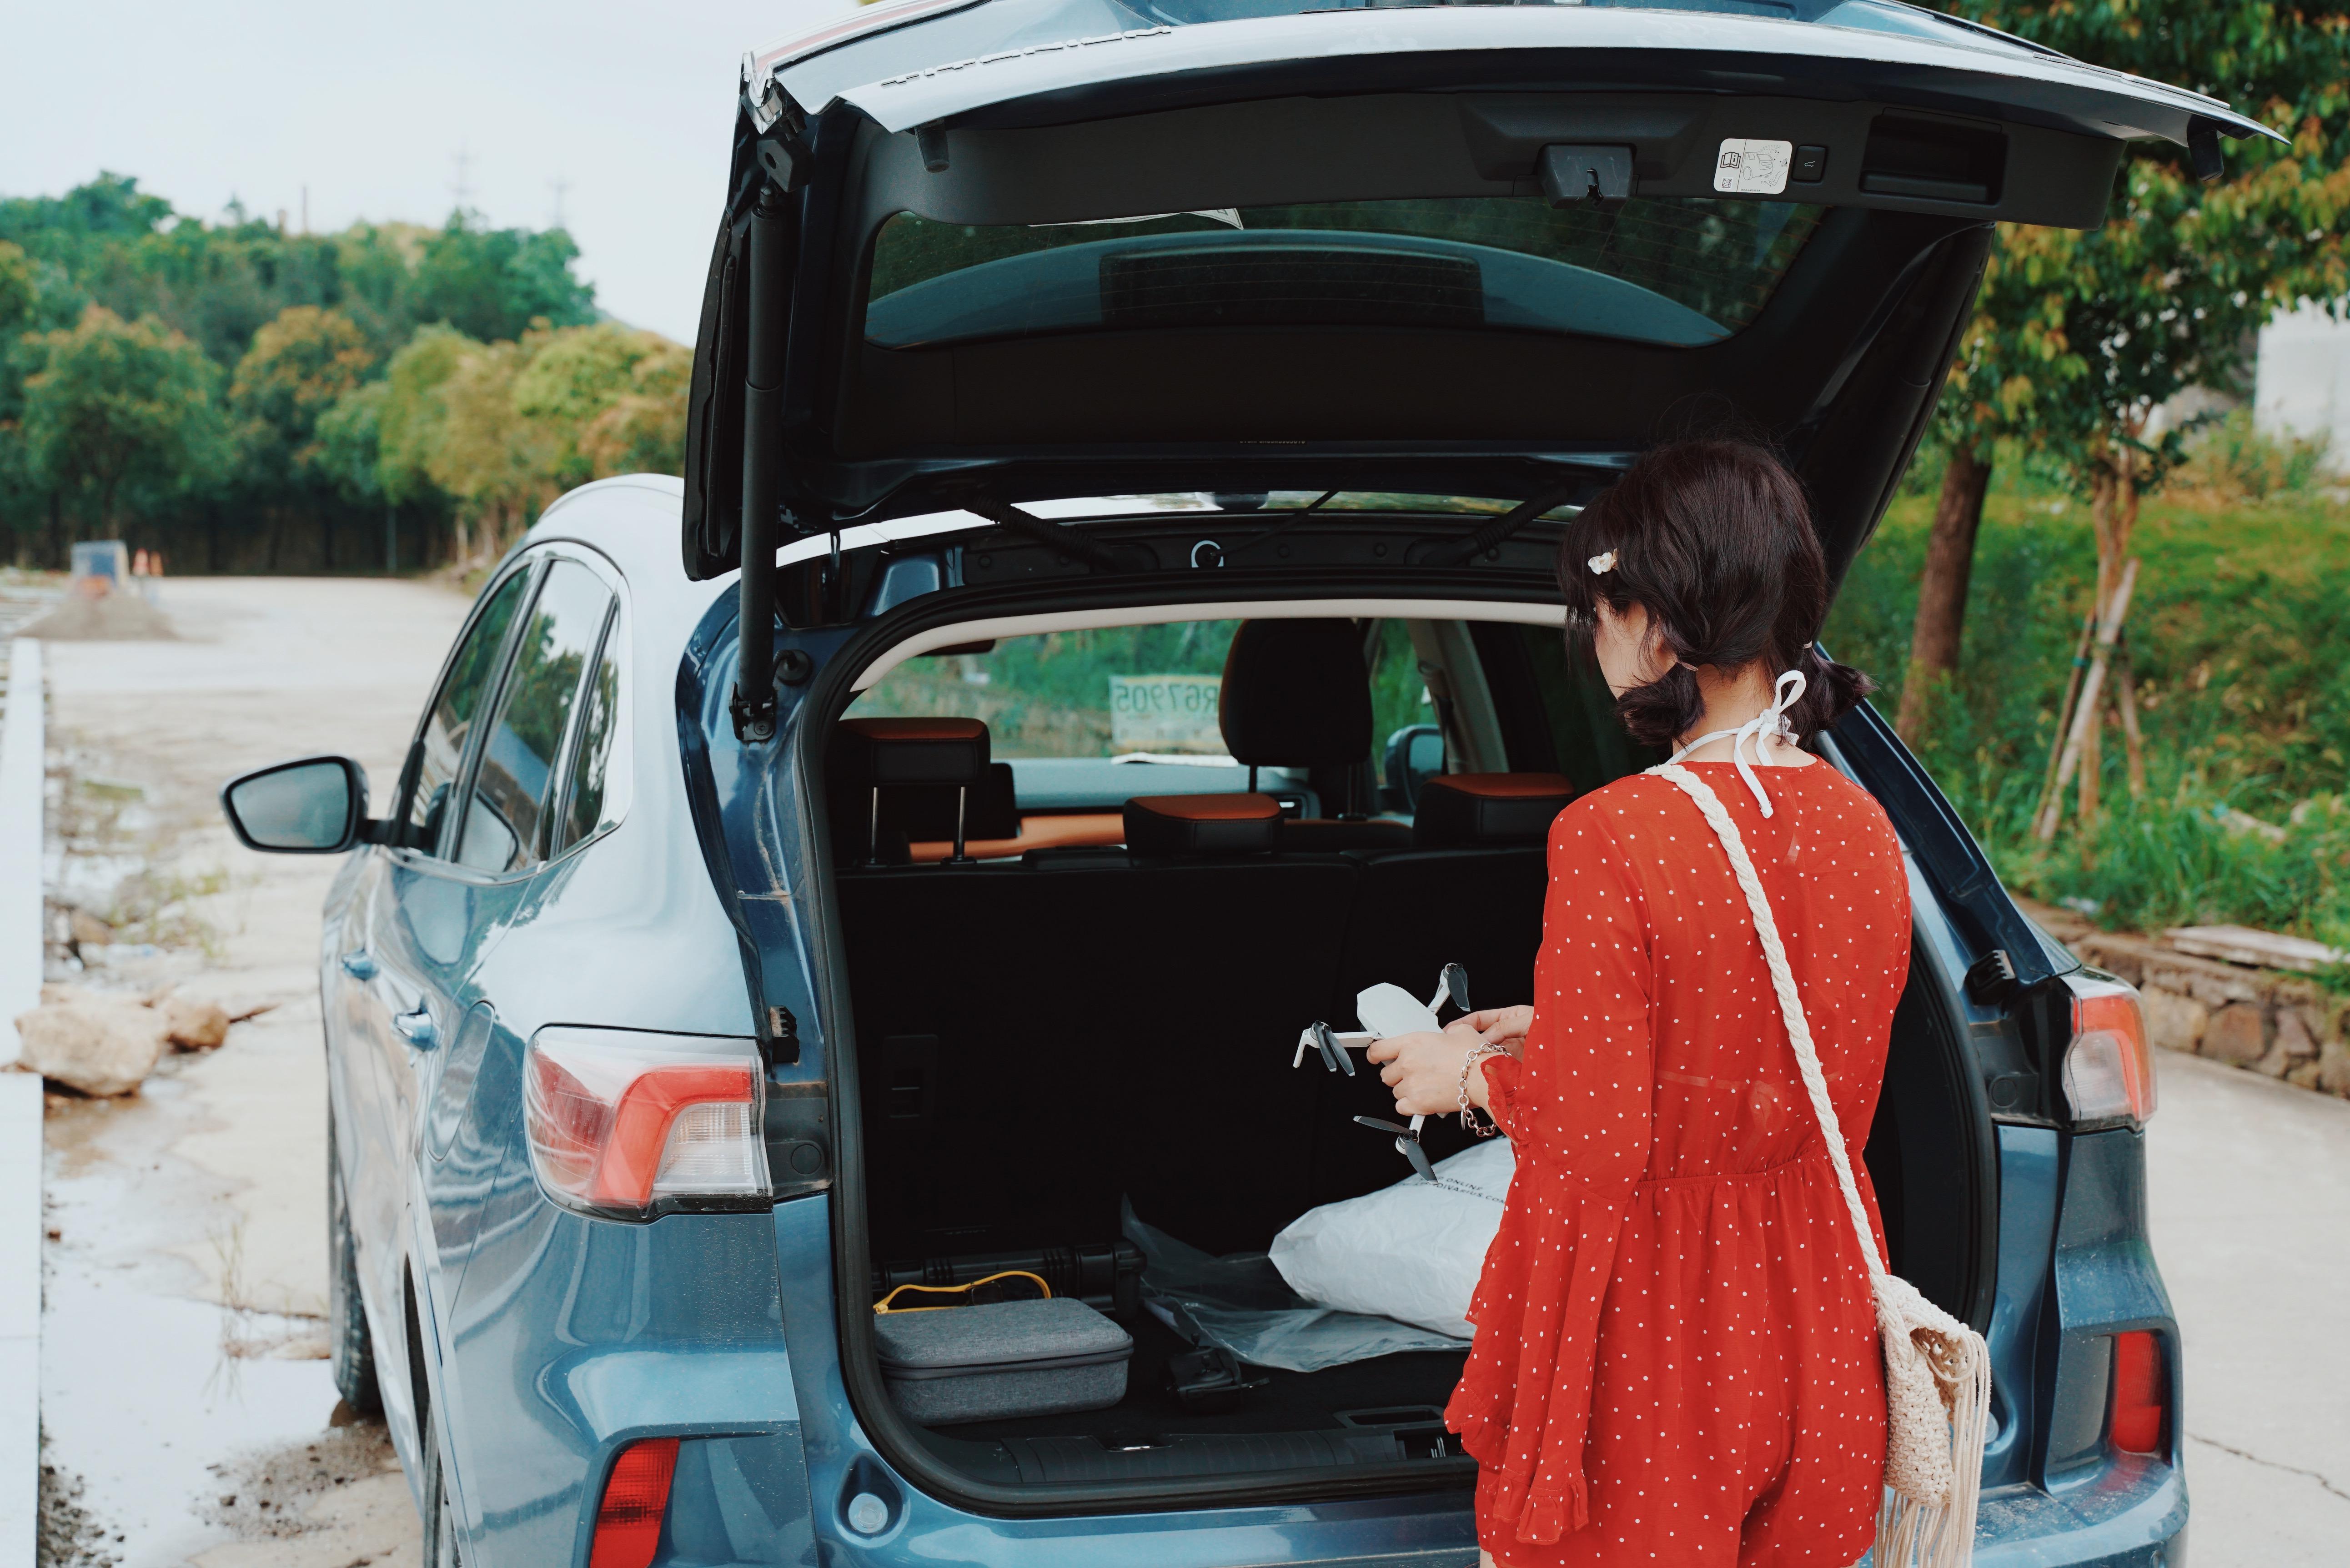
(618, 1119)
(635, 1496)
(2139, 1392)
(2109, 1067)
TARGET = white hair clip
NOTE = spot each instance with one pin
(1602, 564)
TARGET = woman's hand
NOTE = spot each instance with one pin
(1503, 1026)
(1424, 1069)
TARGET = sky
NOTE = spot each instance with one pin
(628, 107)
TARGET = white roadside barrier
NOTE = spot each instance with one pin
(21, 774)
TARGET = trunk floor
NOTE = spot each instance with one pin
(1289, 1402)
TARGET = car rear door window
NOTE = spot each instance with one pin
(505, 826)
(596, 793)
(449, 724)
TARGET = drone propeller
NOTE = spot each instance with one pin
(1452, 986)
(1407, 1143)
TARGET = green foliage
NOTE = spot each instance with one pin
(2239, 643)
(491, 284)
(297, 366)
(335, 364)
(115, 404)
(576, 378)
(2078, 336)
(347, 455)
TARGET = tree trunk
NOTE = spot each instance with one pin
(1942, 591)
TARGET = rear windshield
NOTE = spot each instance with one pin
(1680, 271)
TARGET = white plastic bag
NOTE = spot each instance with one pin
(1411, 1251)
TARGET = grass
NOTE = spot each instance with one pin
(2239, 643)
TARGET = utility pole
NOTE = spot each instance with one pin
(461, 187)
(561, 187)
(306, 209)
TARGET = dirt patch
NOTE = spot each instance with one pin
(70, 1535)
(109, 617)
(268, 1496)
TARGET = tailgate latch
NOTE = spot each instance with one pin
(1573, 174)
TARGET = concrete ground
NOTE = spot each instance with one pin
(182, 1391)
(2249, 1191)
(188, 1410)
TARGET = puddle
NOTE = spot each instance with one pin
(147, 1390)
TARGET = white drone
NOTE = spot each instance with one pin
(1384, 1010)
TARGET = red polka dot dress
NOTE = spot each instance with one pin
(1676, 1359)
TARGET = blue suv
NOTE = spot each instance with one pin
(1115, 624)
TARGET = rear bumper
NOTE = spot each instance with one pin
(2132, 1514)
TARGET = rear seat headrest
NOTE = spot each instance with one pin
(1459, 811)
(1295, 694)
(1203, 825)
(911, 751)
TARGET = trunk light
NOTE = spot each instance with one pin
(619, 1119)
(636, 1497)
(2109, 1067)
(2137, 1424)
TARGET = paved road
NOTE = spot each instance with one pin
(2249, 1199)
(186, 1273)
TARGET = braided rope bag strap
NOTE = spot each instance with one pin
(1936, 1369)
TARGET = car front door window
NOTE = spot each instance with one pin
(440, 747)
(505, 827)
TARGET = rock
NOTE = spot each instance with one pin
(2293, 1037)
(97, 1044)
(88, 928)
(2173, 1022)
(2334, 1068)
(2238, 1034)
(194, 1023)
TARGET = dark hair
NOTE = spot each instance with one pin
(1713, 538)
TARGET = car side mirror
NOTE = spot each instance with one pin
(314, 806)
(1415, 755)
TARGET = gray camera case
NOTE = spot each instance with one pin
(1002, 1360)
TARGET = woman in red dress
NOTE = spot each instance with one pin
(1676, 1359)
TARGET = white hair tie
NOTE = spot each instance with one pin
(1602, 564)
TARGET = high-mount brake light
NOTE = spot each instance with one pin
(619, 1120)
(2138, 1403)
(2108, 1066)
(636, 1497)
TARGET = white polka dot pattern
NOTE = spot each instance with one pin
(1676, 1358)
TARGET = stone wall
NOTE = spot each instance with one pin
(2285, 1025)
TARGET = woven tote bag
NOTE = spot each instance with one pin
(1936, 1369)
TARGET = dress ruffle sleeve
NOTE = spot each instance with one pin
(1578, 1112)
(1503, 1076)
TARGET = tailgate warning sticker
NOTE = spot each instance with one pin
(1748, 167)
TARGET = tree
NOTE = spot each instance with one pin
(490, 459)
(643, 430)
(491, 284)
(414, 415)
(574, 389)
(2079, 337)
(116, 404)
(298, 365)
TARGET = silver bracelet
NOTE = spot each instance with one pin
(1477, 1053)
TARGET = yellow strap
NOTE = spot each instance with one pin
(884, 1304)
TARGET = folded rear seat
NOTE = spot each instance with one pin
(1033, 1045)
(1470, 891)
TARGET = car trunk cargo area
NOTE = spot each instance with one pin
(1041, 1042)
